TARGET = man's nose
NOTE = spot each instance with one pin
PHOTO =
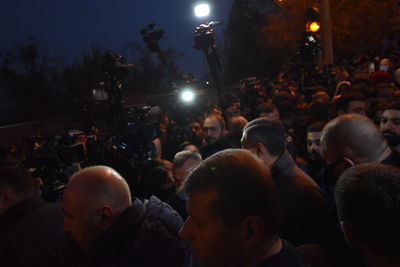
(314, 147)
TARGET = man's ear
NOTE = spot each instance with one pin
(348, 163)
(105, 217)
(7, 199)
(349, 234)
(253, 231)
(260, 150)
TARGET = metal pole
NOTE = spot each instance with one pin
(327, 32)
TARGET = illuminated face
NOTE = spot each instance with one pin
(212, 130)
(356, 107)
(384, 64)
(212, 243)
(314, 145)
(195, 127)
(80, 220)
(390, 126)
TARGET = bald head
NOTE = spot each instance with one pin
(354, 137)
(92, 201)
(103, 185)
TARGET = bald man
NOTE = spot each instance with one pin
(100, 216)
(350, 140)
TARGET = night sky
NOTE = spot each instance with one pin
(71, 27)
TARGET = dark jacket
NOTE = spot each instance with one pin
(146, 234)
(31, 234)
(287, 257)
(304, 206)
(211, 149)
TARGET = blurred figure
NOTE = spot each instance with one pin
(267, 110)
(390, 125)
(195, 134)
(314, 149)
(368, 206)
(155, 179)
(184, 163)
(234, 133)
(319, 111)
(350, 103)
(31, 231)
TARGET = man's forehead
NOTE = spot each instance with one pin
(201, 202)
(314, 135)
(210, 121)
(357, 103)
(391, 114)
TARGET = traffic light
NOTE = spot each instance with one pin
(311, 43)
(313, 20)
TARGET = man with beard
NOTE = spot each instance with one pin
(390, 125)
(314, 150)
(214, 135)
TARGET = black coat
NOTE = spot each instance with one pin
(304, 207)
(31, 234)
(145, 235)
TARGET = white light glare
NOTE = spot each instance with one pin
(187, 96)
(202, 10)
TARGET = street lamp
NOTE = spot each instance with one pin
(202, 10)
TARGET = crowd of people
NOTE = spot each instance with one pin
(282, 175)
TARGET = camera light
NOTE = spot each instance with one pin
(202, 10)
(187, 95)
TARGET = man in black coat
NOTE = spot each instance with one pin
(113, 231)
(305, 208)
(31, 231)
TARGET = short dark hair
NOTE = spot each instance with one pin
(320, 110)
(286, 109)
(344, 101)
(266, 108)
(368, 200)
(244, 187)
(219, 118)
(16, 178)
(393, 105)
(270, 133)
(316, 127)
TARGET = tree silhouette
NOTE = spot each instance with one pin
(29, 77)
(262, 35)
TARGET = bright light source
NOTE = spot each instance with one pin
(202, 10)
(313, 26)
(187, 96)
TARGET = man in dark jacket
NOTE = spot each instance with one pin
(305, 208)
(234, 214)
(101, 217)
(30, 230)
(214, 135)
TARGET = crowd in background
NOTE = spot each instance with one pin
(304, 129)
